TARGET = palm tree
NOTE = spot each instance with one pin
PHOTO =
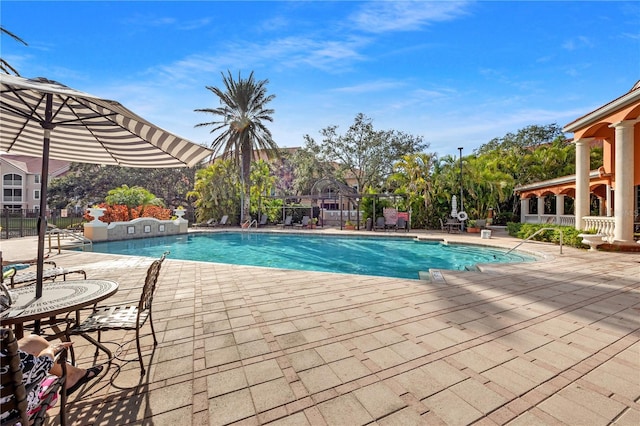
(413, 174)
(5, 67)
(240, 117)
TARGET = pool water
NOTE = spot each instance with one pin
(381, 256)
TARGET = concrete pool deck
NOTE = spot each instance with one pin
(549, 342)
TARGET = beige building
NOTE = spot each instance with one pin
(20, 180)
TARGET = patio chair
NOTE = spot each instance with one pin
(304, 223)
(401, 224)
(14, 391)
(287, 221)
(48, 274)
(263, 220)
(126, 316)
(380, 223)
(453, 225)
(210, 222)
(224, 220)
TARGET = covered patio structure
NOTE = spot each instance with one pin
(616, 184)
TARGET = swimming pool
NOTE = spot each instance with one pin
(380, 256)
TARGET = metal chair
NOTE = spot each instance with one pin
(122, 317)
(14, 393)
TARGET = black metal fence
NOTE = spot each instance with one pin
(15, 223)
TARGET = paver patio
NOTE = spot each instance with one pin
(551, 342)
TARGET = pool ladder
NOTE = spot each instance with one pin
(253, 222)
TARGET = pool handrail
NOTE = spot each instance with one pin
(248, 227)
(534, 234)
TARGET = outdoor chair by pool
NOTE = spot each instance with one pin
(453, 225)
(14, 392)
(379, 223)
(401, 224)
(125, 316)
(263, 220)
(304, 223)
(287, 221)
(210, 222)
(29, 277)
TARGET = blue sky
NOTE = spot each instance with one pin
(455, 73)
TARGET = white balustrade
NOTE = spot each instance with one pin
(601, 224)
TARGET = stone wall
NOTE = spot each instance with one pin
(143, 227)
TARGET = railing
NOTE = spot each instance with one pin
(247, 225)
(73, 239)
(16, 223)
(565, 219)
(536, 233)
(601, 224)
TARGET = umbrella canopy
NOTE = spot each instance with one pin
(40, 117)
(454, 206)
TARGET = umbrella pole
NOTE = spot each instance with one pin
(44, 182)
(42, 220)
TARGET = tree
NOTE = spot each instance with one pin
(216, 191)
(363, 153)
(88, 184)
(412, 176)
(262, 185)
(241, 115)
(5, 67)
(308, 168)
(528, 137)
(132, 197)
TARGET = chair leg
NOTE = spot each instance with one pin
(142, 371)
(153, 330)
(63, 397)
(99, 339)
(98, 345)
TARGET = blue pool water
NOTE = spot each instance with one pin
(381, 256)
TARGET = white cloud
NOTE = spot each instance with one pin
(577, 43)
(391, 15)
(372, 86)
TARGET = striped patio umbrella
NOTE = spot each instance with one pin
(43, 118)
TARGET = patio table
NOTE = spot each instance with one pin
(60, 297)
(453, 225)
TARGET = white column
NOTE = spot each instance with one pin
(524, 209)
(623, 200)
(540, 209)
(609, 211)
(559, 207)
(582, 181)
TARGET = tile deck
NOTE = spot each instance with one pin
(551, 342)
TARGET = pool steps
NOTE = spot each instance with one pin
(434, 276)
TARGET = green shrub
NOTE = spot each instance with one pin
(525, 230)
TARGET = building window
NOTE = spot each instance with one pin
(37, 178)
(12, 195)
(36, 194)
(12, 179)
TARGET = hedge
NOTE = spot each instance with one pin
(525, 230)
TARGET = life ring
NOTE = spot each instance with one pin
(463, 216)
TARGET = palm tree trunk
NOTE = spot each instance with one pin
(247, 153)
